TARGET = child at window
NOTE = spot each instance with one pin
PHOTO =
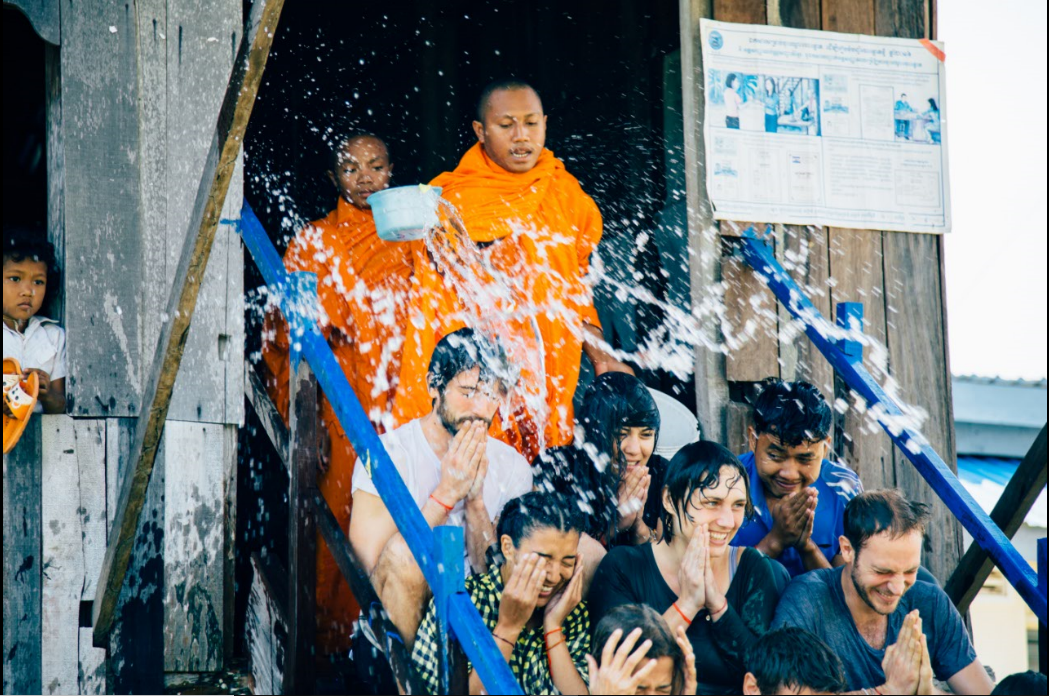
(36, 342)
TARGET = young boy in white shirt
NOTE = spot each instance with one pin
(36, 342)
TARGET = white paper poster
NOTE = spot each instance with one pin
(820, 128)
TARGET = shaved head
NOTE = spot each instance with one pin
(500, 86)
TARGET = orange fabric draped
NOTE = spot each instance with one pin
(537, 231)
(362, 285)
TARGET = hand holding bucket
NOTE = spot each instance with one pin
(405, 213)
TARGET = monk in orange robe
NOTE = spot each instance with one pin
(536, 227)
(362, 285)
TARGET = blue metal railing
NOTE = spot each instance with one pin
(846, 357)
(441, 564)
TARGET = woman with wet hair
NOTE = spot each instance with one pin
(530, 599)
(723, 597)
(649, 660)
(611, 470)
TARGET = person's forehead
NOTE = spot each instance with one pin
(730, 484)
(27, 266)
(363, 149)
(552, 541)
(888, 551)
(772, 440)
(517, 102)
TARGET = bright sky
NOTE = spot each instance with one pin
(996, 123)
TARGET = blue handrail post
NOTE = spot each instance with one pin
(303, 304)
(448, 550)
(850, 318)
(1042, 576)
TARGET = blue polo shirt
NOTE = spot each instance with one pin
(837, 485)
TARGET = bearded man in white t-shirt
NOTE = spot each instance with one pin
(454, 471)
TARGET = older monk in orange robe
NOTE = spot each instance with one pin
(363, 284)
(537, 228)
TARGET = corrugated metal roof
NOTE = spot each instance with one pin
(991, 401)
(986, 478)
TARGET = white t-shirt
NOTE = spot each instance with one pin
(509, 475)
(41, 347)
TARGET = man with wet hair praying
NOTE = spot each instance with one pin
(892, 633)
(362, 286)
(799, 495)
(536, 228)
(456, 474)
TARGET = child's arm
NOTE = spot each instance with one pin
(52, 393)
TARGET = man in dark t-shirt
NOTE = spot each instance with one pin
(871, 609)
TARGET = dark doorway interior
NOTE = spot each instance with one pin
(25, 160)
(411, 72)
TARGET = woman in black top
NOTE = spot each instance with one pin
(724, 597)
(610, 469)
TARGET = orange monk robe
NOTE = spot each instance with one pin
(542, 228)
(362, 284)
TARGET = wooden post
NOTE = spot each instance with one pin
(704, 246)
(1009, 512)
(302, 533)
(229, 134)
(22, 575)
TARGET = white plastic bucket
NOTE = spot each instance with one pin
(405, 213)
(677, 425)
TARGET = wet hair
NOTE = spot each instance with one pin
(874, 512)
(500, 86)
(533, 511)
(29, 243)
(612, 402)
(628, 617)
(732, 77)
(697, 467)
(794, 412)
(464, 350)
(338, 140)
(792, 658)
(1022, 683)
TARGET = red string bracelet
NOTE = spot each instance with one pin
(447, 508)
(683, 616)
(711, 615)
(549, 659)
(550, 633)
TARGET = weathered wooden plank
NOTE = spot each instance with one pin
(272, 423)
(302, 532)
(751, 321)
(799, 14)
(805, 254)
(857, 276)
(231, 344)
(194, 557)
(704, 246)
(904, 18)
(266, 628)
(232, 122)
(74, 542)
(199, 60)
(137, 641)
(56, 170)
(850, 16)
(740, 418)
(22, 576)
(229, 551)
(741, 11)
(1009, 512)
(921, 368)
(103, 250)
(153, 116)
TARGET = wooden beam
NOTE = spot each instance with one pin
(268, 414)
(225, 148)
(302, 533)
(1019, 496)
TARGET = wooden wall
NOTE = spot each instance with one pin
(133, 92)
(898, 278)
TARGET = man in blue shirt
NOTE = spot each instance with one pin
(891, 632)
(799, 496)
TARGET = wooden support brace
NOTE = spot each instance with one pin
(1042, 576)
(211, 195)
(1019, 496)
(302, 536)
(268, 415)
